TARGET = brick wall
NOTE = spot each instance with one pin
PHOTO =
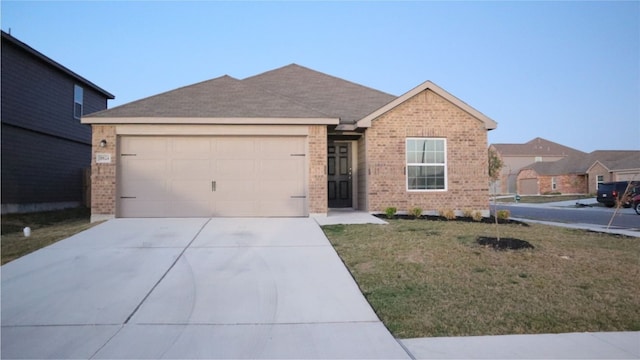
(427, 115)
(317, 169)
(565, 184)
(594, 171)
(103, 176)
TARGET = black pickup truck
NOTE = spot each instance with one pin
(609, 193)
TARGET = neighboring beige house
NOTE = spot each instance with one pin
(517, 156)
(579, 174)
(288, 142)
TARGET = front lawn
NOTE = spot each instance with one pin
(431, 278)
(46, 228)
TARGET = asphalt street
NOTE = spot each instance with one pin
(596, 215)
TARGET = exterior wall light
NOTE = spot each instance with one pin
(103, 143)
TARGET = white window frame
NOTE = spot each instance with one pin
(554, 184)
(599, 180)
(443, 165)
(78, 99)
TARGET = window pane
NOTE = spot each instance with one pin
(431, 153)
(425, 177)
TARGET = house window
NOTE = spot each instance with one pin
(538, 159)
(554, 186)
(599, 180)
(426, 164)
(78, 96)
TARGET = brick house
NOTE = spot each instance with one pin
(517, 156)
(288, 142)
(45, 148)
(579, 174)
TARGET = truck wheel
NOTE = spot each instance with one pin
(636, 206)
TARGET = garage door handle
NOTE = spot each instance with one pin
(213, 186)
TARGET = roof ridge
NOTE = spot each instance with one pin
(321, 73)
(288, 98)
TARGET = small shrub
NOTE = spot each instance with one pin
(448, 214)
(416, 212)
(477, 216)
(503, 214)
(468, 213)
(390, 212)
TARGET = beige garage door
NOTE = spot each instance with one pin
(528, 187)
(211, 176)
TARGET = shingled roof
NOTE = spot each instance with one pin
(536, 147)
(292, 91)
(614, 160)
(337, 97)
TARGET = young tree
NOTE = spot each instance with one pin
(495, 165)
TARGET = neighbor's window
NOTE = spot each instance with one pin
(538, 158)
(77, 101)
(554, 185)
(426, 164)
(599, 180)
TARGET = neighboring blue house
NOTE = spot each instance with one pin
(45, 148)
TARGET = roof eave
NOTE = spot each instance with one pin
(210, 120)
(489, 123)
(48, 60)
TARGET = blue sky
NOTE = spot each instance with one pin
(565, 71)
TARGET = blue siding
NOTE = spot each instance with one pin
(44, 148)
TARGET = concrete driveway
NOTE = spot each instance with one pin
(189, 288)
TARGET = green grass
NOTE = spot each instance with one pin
(46, 228)
(430, 278)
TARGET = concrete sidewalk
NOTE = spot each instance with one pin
(606, 345)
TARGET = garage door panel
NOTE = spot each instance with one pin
(212, 176)
(235, 190)
(235, 169)
(190, 169)
(192, 145)
(281, 168)
(140, 169)
(188, 190)
(241, 208)
(144, 190)
(143, 208)
(281, 146)
(192, 208)
(231, 148)
(144, 146)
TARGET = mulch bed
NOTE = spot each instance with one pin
(504, 243)
(489, 220)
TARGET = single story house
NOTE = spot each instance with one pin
(579, 174)
(288, 142)
(516, 156)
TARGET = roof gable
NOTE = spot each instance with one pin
(489, 124)
(331, 95)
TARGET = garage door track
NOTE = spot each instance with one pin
(189, 288)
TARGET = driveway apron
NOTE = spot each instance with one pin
(189, 288)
